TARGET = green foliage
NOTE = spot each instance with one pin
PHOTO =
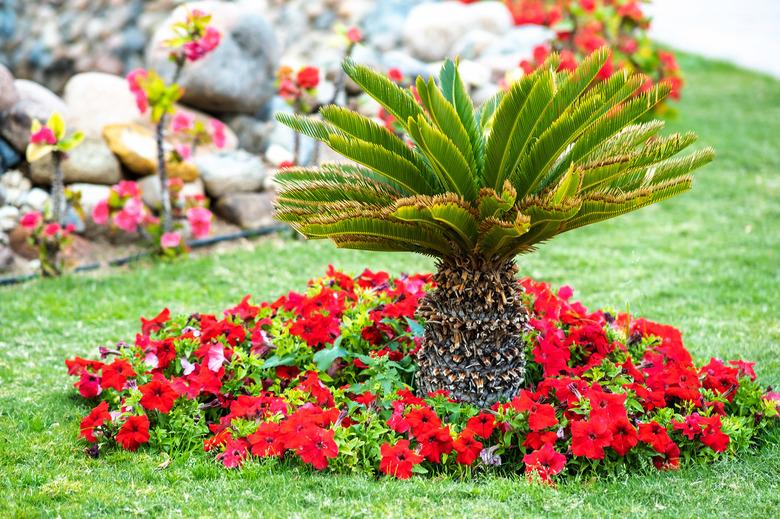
(556, 152)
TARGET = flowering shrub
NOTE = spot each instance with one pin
(324, 378)
(50, 239)
(193, 39)
(582, 26)
(124, 209)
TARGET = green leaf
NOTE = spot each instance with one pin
(274, 361)
(324, 358)
(418, 330)
(57, 125)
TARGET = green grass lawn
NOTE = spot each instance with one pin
(707, 262)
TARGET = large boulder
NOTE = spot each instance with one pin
(231, 172)
(239, 75)
(91, 162)
(136, 148)
(35, 102)
(96, 100)
(247, 210)
(8, 94)
(432, 29)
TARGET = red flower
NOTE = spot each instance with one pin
(670, 459)
(308, 78)
(540, 416)
(266, 440)
(713, 437)
(115, 375)
(482, 425)
(467, 447)
(234, 454)
(89, 385)
(545, 462)
(134, 432)
(398, 460)
(395, 74)
(535, 440)
(624, 436)
(354, 35)
(158, 394)
(155, 323)
(610, 405)
(422, 420)
(318, 447)
(97, 417)
(590, 437)
(654, 435)
(434, 443)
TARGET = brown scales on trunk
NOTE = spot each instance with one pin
(474, 327)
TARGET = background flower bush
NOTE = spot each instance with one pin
(322, 378)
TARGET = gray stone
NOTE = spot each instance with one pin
(382, 25)
(236, 77)
(91, 162)
(411, 67)
(247, 210)
(9, 217)
(35, 102)
(519, 41)
(431, 29)
(230, 172)
(96, 99)
(473, 44)
(252, 133)
(8, 94)
(150, 190)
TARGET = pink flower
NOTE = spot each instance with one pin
(288, 89)
(51, 229)
(184, 151)
(195, 50)
(43, 136)
(170, 240)
(131, 215)
(100, 212)
(218, 133)
(181, 122)
(31, 220)
(127, 188)
(200, 221)
(354, 35)
(134, 79)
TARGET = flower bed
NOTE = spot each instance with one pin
(323, 378)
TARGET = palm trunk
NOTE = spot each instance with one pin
(475, 325)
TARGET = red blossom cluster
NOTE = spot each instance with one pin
(324, 377)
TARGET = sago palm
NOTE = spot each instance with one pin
(477, 187)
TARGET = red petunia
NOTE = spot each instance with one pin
(308, 78)
(89, 385)
(540, 416)
(654, 435)
(134, 432)
(670, 459)
(266, 441)
(534, 440)
(155, 323)
(318, 447)
(610, 405)
(713, 437)
(545, 462)
(115, 375)
(234, 454)
(398, 460)
(434, 443)
(590, 437)
(482, 425)
(158, 394)
(624, 436)
(467, 447)
(422, 420)
(97, 417)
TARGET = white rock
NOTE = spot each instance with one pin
(91, 162)
(276, 155)
(9, 216)
(35, 200)
(91, 194)
(230, 172)
(150, 190)
(431, 29)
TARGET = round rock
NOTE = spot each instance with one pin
(231, 172)
(35, 102)
(91, 162)
(238, 76)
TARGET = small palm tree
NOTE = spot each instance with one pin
(476, 187)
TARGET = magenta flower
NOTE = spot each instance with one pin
(170, 240)
(195, 50)
(127, 189)
(134, 79)
(218, 135)
(51, 229)
(184, 151)
(100, 212)
(131, 215)
(181, 122)
(43, 136)
(31, 220)
(200, 221)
